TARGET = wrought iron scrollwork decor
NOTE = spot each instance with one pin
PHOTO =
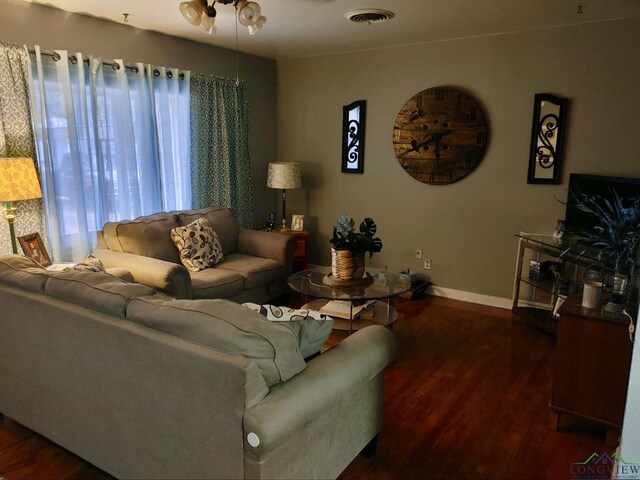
(546, 151)
(353, 120)
(547, 133)
(353, 132)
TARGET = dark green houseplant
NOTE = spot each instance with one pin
(349, 247)
(615, 240)
(617, 236)
(345, 236)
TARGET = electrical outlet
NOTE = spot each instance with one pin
(419, 253)
(427, 264)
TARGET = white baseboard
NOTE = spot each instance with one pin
(479, 298)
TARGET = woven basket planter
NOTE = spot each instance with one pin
(347, 265)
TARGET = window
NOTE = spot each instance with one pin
(112, 144)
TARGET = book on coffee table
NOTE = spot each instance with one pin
(341, 308)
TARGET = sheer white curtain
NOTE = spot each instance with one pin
(113, 143)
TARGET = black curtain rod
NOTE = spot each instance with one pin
(116, 66)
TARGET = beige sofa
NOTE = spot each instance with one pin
(146, 386)
(254, 269)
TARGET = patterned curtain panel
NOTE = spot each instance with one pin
(16, 137)
(220, 163)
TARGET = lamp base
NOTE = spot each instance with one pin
(9, 210)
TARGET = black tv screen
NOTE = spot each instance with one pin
(581, 184)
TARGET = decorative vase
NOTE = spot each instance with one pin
(347, 265)
(619, 293)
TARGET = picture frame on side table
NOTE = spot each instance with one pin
(33, 247)
(559, 231)
(297, 222)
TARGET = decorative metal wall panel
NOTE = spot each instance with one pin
(353, 120)
(549, 114)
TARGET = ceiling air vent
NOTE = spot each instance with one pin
(369, 15)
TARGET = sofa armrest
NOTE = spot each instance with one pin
(267, 245)
(168, 277)
(325, 382)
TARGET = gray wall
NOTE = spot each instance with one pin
(31, 24)
(468, 227)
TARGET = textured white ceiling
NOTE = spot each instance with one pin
(302, 28)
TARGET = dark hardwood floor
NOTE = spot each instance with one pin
(466, 399)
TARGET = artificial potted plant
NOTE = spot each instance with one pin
(348, 247)
(616, 239)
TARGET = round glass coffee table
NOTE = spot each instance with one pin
(354, 307)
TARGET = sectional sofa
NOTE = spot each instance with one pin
(146, 386)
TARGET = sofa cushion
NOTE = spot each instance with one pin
(148, 236)
(256, 271)
(22, 272)
(311, 327)
(98, 291)
(197, 244)
(222, 221)
(216, 283)
(224, 326)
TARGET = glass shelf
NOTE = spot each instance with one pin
(546, 285)
(537, 300)
(567, 248)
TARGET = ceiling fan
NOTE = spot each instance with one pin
(203, 16)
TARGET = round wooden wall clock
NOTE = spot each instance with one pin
(440, 135)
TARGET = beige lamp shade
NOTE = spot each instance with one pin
(284, 175)
(18, 179)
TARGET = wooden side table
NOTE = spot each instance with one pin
(593, 358)
(300, 260)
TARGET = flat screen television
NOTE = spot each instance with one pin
(626, 188)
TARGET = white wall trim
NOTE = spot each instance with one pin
(471, 297)
(479, 298)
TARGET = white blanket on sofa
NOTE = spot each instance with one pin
(312, 327)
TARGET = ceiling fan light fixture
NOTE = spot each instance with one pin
(249, 15)
(192, 11)
(259, 23)
(203, 16)
(248, 12)
(207, 24)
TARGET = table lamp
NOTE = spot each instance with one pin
(18, 181)
(284, 175)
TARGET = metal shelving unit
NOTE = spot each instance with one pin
(537, 294)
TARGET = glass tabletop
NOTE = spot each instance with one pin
(385, 284)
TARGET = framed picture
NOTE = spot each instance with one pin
(297, 222)
(34, 248)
